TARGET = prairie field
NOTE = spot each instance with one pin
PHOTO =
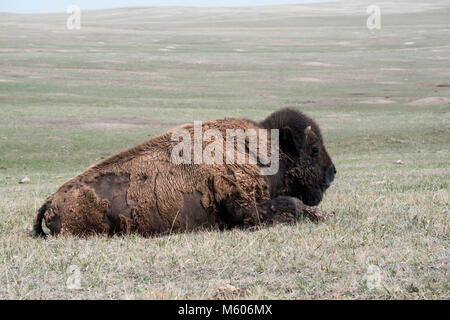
(69, 98)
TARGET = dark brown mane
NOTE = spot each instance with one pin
(292, 118)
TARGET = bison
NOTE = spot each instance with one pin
(142, 190)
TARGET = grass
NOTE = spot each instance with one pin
(70, 98)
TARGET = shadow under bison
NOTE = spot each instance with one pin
(141, 190)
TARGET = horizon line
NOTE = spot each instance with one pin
(209, 6)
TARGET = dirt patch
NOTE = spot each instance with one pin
(101, 123)
(430, 101)
(229, 292)
(392, 69)
(377, 101)
(300, 102)
(107, 61)
(319, 64)
(306, 79)
(390, 82)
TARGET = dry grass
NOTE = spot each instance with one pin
(393, 216)
(405, 234)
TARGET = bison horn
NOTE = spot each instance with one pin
(307, 131)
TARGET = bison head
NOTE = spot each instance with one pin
(306, 169)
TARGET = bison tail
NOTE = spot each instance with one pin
(37, 228)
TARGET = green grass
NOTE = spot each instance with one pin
(70, 98)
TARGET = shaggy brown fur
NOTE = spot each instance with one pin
(141, 190)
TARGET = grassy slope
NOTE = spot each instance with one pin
(69, 98)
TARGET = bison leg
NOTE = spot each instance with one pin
(285, 209)
(277, 210)
(282, 209)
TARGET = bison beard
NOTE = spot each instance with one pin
(141, 190)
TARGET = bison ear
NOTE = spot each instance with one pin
(288, 143)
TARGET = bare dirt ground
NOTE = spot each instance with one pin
(100, 123)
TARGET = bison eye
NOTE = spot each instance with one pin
(314, 151)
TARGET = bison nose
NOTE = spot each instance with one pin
(333, 169)
(331, 173)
